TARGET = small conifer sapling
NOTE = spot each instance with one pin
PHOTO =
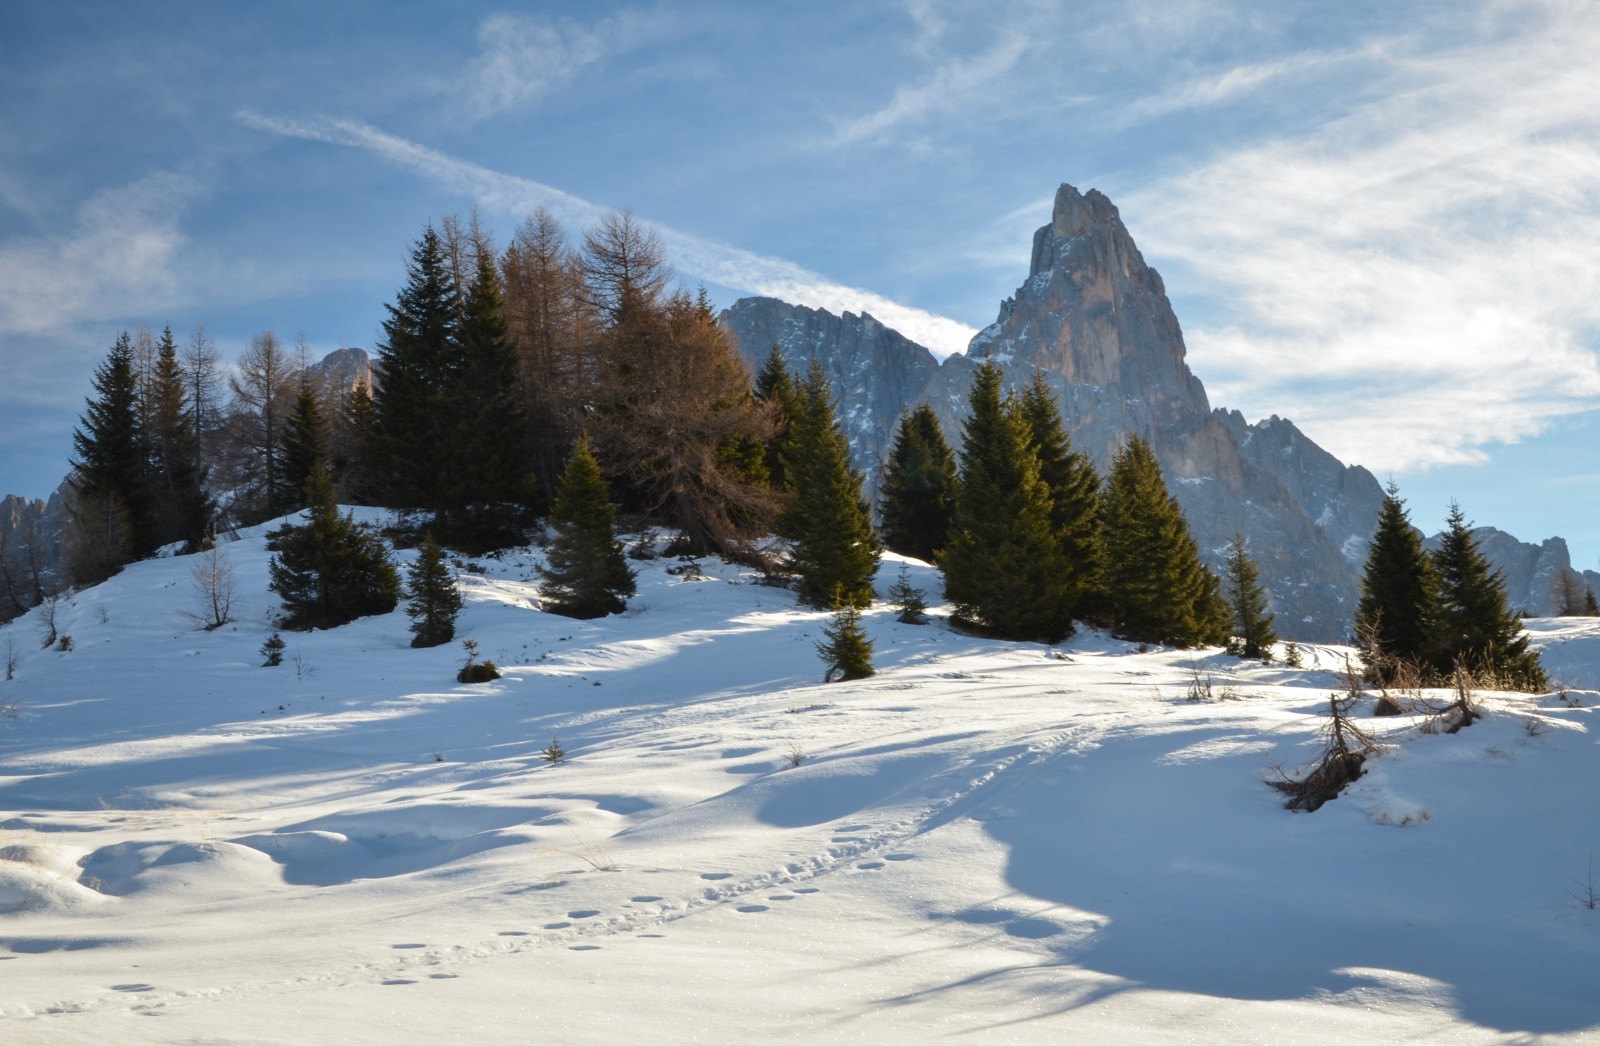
(846, 650)
(435, 600)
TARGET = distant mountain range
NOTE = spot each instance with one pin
(1095, 320)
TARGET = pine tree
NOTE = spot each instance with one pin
(1157, 589)
(331, 569)
(585, 574)
(435, 600)
(1074, 492)
(846, 650)
(1476, 628)
(835, 550)
(1003, 567)
(1252, 623)
(1396, 617)
(918, 495)
(109, 471)
(1591, 608)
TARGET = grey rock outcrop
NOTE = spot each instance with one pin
(1095, 320)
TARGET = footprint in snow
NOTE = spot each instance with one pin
(583, 913)
(133, 987)
(870, 866)
(749, 909)
(899, 857)
(584, 948)
(655, 935)
(556, 926)
(714, 876)
(443, 976)
(781, 897)
(806, 889)
(408, 945)
(398, 980)
(513, 933)
(645, 899)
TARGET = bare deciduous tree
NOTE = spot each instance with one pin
(213, 586)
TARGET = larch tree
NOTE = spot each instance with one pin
(1003, 567)
(1476, 629)
(1157, 589)
(1247, 599)
(585, 574)
(835, 551)
(917, 498)
(263, 387)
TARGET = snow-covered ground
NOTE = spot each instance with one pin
(986, 842)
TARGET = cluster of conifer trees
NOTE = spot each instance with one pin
(1422, 615)
(551, 381)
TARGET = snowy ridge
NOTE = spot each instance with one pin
(1003, 840)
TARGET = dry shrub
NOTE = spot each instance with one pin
(1346, 748)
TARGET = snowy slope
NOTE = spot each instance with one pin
(990, 842)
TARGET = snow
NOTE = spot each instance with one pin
(1001, 842)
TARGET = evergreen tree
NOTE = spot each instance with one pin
(330, 569)
(407, 457)
(1252, 623)
(835, 551)
(1590, 607)
(489, 436)
(1074, 492)
(1157, 589)
(435, 600)
(1396, 617)
(109, 471)
(181, 506)
(918, 495)
(846, 650)
(1476, 629)
(1003, 567)
(775, 389)
(585, 574)
(300, 449)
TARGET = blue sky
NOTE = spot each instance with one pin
(1379, 220)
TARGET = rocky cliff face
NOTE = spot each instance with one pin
(1095, 320)
(30, 544)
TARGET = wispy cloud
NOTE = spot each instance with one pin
(1410, 281)
(524, 58)
(118, 256)
(704, 259)
(953, 84)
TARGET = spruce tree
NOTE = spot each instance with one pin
(585, 574)
(182, 508)
(1476, 628)
(109, 470)
(1396, 619)
(331, 569)
(1003, 567)
(1074, 486)
(918, 495)
(835, 550)
(775, 389)
(435, 600)
(846, 648)
(489, 430)
(1591, 608)
(1157, 589)
(407, 457)
(300, 448)
(1252, 623)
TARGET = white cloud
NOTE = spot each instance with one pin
(705, 259)
(1412, 281)
(119, 255)
(524, 58)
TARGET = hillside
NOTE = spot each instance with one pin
(992, 842)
